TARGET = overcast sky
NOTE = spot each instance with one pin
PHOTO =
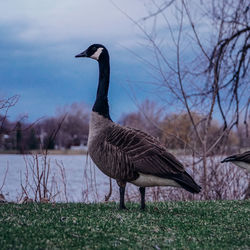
(37, 46)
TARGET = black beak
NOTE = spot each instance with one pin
(83, 54)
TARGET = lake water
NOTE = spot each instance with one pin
(81, 177)
(76, 179)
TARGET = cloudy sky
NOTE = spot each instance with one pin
(37, 46)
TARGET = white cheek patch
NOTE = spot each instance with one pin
(97, 54)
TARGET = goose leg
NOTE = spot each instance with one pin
(122, 192)
(142, 191)
(122, 186)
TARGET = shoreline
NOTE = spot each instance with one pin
(49, 152)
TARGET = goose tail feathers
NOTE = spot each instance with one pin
(187, 182)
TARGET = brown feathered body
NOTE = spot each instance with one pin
(130, 155)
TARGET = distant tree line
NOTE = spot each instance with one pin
(69, 127)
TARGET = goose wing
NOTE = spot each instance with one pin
(145, 152)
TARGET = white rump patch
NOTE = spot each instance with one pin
(97, 54)
(146, 180)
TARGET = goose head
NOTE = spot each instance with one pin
(94, 51)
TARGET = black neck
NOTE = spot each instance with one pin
(101, 103)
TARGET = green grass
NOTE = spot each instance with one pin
(168, 225)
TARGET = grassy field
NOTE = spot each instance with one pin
(180, 225)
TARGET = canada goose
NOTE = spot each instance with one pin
(127, 154)
(240, 160)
